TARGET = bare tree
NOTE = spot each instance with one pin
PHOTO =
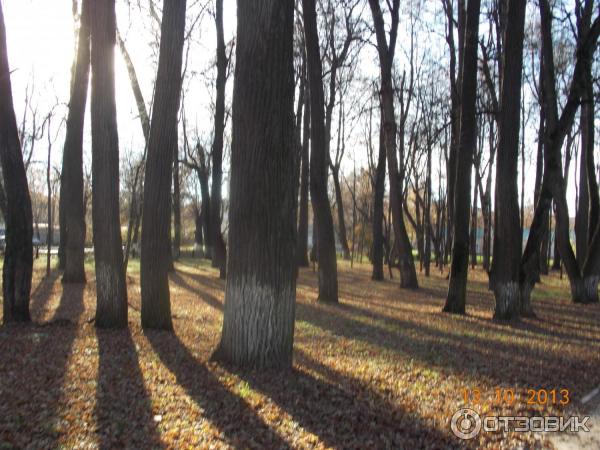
(457, 289)
(111, 309)
(508, 234)
(71, 187)
(386, 58)
(18, 254)
(156, 220)
(326, 255)
(220, 253)
(258, 323)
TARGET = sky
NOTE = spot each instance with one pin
(40, 36)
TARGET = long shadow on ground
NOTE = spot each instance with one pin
(239, 425)
(344, 413)
(123, 409)
(32, 392)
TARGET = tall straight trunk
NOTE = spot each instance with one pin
(473, 231)
(507, 235)
(50, 216)
(176, 203)
(258, 322)
(71, 189)
(583, 200)
(18, 253)
(300, 109)
(219, 258)
(487, 200)
(111, 308)
(62, 231)
(202, 173)
(427, 220)
(302, 250)
(539, 172)
(457, 289)
(156, 220)
(408, 273)
(378, 192)
(198, 234)
(319, 158)
(454, 113)
(313, 249)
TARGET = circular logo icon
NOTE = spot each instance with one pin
(466, 423)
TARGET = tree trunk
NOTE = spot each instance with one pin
(220, 252)
(539, 172)
(427, 261)
(455, 116)
(507, 235)
(111, 308)
(156, 220)
(340, 213)
(327, 258)
(457, 289)
(71, 189)
(408, 274)
(379, 191)
(205, 210)
(50, 216)
(473, 232)
(302, 250)
(62, 230)
(258, 323)
(556, 128)
(18, 253)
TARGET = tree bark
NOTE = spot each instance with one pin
(220, 252)
(335, 174)
(71, 189)
(18, 253)
(156, 220)
(258, 323)
(507, 235)
(302, 250)
(408, 273)
(427, 220)
(111, 308)
(457, 289)
(379, 191)
(319, 158)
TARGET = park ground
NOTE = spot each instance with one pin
(384, 369)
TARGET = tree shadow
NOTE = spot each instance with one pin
(343, 412)
(235, 419)
(33, 393)
(205, 296)
(500, 358)
(204, 280)
(42, 293)
(123, 408)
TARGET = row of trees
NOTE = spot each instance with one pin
(294, 66)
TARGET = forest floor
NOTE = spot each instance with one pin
(384, 369)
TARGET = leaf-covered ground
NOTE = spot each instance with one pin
(384, 369)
